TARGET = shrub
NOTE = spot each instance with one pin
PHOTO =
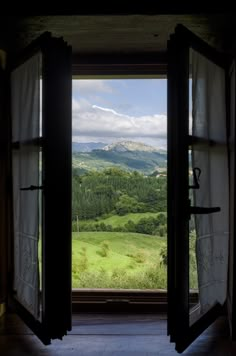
(104, 249)
(83, 260)
(139, 257)
(163, 255)
(152, 277)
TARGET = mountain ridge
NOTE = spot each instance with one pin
(120, 146)
(123, 146)
(130, 157)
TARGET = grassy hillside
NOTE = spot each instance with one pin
(145, 162)
(117, 220)
(117, 260)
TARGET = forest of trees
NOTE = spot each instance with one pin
(117, 192)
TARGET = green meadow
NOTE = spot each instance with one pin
(119, 225)
(118, 260)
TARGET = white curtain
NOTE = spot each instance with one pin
(232, 190)
(211, 156)
(25, 108)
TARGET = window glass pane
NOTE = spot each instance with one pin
(25, 169)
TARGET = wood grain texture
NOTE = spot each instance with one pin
(117, 33)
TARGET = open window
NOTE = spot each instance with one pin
(137, 279)
(198, 188)
(112, 248)
(40, 84)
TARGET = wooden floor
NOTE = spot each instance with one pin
(109, 335)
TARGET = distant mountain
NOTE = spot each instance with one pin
(124, 146)
(127, 155)
(87, 146)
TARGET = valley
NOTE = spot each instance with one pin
(119, 218)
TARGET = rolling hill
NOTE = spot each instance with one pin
(127, 155)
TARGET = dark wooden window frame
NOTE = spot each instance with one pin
(180, 330)
(52, 324)
(120, 66)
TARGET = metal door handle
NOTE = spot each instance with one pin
(33, 187)
(198, 209)
(201, 210)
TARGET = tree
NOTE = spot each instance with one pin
(126, 204)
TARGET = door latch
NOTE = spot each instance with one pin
(196, 178)
(196, 185)
(33, 187)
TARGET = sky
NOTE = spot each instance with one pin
(112, 110)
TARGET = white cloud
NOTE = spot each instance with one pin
(90, 87)
(109, 110)
(95, 121)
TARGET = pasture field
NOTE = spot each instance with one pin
(117, 260)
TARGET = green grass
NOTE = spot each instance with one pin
(117, 220)
(120, 260)
(117, 260)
